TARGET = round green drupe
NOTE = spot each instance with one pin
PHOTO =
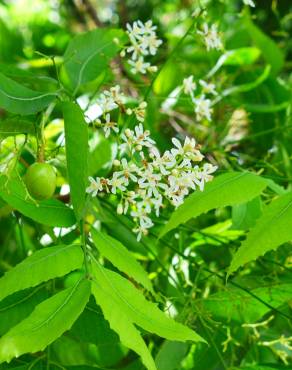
(40, 180)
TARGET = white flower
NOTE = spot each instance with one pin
(175, 198)
(127, 171)
(249, 2)
(141, 137)
(116, 94)
(151, 182)
(139, 230)
(211, 37)
(189, 85)
(208, 88)
(134, 30)
(149, 44)
(206, 172)
(179, 148)
(116, 183)
(135, 48)
(162, 163)
(137, 139)
(203, 108)
(142, 217)
(139, 111)
(139, 66)
(157, 203)
(106, 102)
(189, 150)
(143, 42)
(94, 187)
(109, 125)
(180, 181)
(146, 28)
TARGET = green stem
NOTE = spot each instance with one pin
(40, 135)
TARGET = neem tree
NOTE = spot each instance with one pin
(138, 186)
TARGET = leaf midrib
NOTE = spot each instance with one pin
(28, 265)
(27, 99)
(85, 64)
(51, 317)
(112, 244)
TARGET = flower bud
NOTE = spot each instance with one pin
(120, 209)
(116, 163)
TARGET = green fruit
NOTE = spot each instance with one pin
(40, 180)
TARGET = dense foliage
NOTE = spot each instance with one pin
(145, 197)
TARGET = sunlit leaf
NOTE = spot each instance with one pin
(48, 321)
(140, 311)
(43, 265)
(224, 190)
(270, 231)
(121, 324)
(120, 257)
(88, 54)
(76, 140)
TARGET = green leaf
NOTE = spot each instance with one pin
(16, 307)
(120, 257)
(270, 50)
(140, 311)
(100, 157)
(171, 355)
(245, 215)
(271, 230)
(76, 140)
(262, 367)
(236, 57)
(92, 328)
(48, 321)
(16, 126)
(43, 265)
(266, 108)
(224, 190)
(249, 85)
(48, 212)
(236, 305)
(121, 324)
(16, 98)
(88, 54)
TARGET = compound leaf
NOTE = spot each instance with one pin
(140, 311)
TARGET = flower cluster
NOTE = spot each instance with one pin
(145, 180)
(112, 99)
(202, 101)
(211, 37)
(144, 42)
